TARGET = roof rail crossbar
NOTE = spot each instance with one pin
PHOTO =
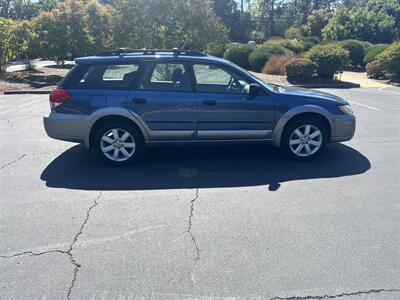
(175, 51)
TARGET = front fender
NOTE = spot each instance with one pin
(287, 116)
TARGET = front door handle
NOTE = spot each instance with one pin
(139, 100)
(209, 102)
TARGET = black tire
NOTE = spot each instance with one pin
(298, 123)
(122, 126)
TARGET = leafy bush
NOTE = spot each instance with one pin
(372, 52)
(292, 45)
(375, 69)
(390, 59)
(263, 53)
(216, 49)
(356, 50)
(299, 70)
(328, 58)
(309, 42)
(292, 33)
(365, 44)
(276, 65)
(239, 54)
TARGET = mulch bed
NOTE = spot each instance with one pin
(43, 78)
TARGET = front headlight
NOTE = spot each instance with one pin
(346, 109)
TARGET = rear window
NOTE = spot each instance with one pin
(105, 76)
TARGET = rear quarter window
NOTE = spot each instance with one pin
(104, 76)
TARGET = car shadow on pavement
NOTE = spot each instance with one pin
(200, 167)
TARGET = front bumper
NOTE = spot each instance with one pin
(67, 127)
(343, 128)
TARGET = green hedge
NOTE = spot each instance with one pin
(239, 54)
(259, 57)
(356, 50)
(216, 49)
(293, 45)
(390, 59)
(329, 59)
(309, 42)
(372, 52)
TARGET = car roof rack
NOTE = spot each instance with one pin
(175, 51)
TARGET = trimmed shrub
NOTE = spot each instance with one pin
(276, 65)
(239, 54)
(293, 33)
(309, 42)
(365, 44)
(390, 59)
(299, 70)
(216, 49)
(356, 50)
(328, 58)
(375, 69)
(293, 45)
(372, 52)
(262, 54)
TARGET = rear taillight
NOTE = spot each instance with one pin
(58, 96)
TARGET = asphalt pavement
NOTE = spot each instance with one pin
(237, 222)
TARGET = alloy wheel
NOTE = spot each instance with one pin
(118, 144)
(305, 140)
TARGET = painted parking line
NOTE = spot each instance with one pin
(363, 105)
(20, 106)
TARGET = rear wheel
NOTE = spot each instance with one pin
(304, 139)
(118, 143)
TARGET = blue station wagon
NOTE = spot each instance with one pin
(120, 101)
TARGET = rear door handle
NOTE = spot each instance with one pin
(209, 102)
(139, 100)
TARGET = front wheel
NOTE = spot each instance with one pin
(118, 143)
(304, 139)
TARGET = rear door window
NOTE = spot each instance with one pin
(110, 76)
(166, 77)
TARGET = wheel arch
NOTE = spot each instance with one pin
(103, 119)
(309, 111)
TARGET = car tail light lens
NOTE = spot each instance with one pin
(58, 96)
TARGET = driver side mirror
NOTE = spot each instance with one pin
(255, 90)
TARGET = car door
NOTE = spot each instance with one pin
(226, 110)
(165, 101)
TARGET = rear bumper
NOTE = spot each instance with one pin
(67, 127)
(343, 129)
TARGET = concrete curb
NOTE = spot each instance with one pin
(16, 92)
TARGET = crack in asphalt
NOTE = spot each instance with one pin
(189, 229)
(375, 291)
(72, 259)
(12, 162)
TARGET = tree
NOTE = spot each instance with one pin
(166, 24)
(237, 21)
(74, 28)
(317, 20)
(6, 50)
(360, 24)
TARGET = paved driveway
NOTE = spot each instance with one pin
(201, 223)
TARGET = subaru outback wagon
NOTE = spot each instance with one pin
(118, 102)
